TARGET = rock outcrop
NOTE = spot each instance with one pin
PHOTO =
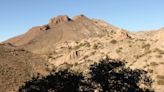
(79, 17)
(59, 19)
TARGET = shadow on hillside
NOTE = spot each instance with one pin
(106, 76)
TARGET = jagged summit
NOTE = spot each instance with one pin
(59, 19)
(79, 17)
(64, 18)
(61, 29)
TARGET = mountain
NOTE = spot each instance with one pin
(78, 42)
(143, 50)
(18, 66)
(60, 29)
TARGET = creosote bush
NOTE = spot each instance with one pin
(113, 41)
(118, 50)
(146, 46)
(107, 76)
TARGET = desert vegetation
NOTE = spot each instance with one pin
(113, 41)
(160, 79)
(159, 51)
(107, 76)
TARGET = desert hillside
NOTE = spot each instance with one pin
(76, 44)
(18, 66)
(60, 29)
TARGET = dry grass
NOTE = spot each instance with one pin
(159, 51)
(154, 64)
(159, 56)
(160, 79)
(160, 82)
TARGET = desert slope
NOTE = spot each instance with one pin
(17, 66)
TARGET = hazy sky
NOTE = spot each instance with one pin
(17, 16)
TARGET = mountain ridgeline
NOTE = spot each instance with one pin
(80, 54)
(60, 29)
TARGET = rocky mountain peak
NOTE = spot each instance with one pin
(61, 29)
(59, 19)
(79, 17)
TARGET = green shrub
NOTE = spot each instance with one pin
(118, 50)
(146, 46)
(113, 41)
(95, 46)
(130, 45)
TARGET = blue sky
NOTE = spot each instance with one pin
(17, 16)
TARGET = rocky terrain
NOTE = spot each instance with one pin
(18, 66)
(59, 29)
(78, 42)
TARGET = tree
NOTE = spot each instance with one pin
(113, 76)
(62, 81)
(106, 76)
